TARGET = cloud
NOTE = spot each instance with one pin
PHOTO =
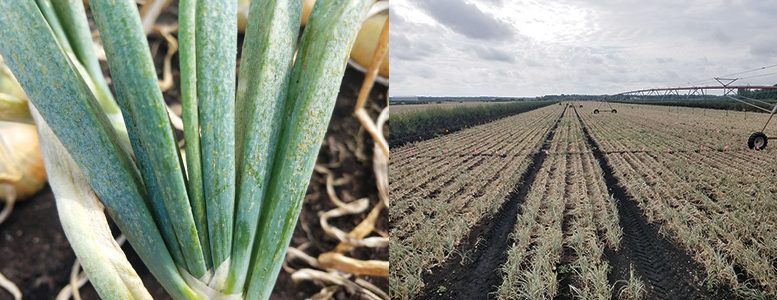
(426, 73)
(467, 19)
(497, 3)
(490, 53)
(766, 47)
(400, 46)
(537, 47)
(720, 37)
(407, 38)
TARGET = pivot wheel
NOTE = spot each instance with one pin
(581, 106)
(615, 111)
(596, 111)
(757, 141)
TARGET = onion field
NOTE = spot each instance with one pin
(559, 202)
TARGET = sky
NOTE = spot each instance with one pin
(534, 47)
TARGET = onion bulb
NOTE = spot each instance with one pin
(21, 164)
(363, 48)
(242, 14)
(13, 101)
(367, 41)
(8, 84)
(307, 8)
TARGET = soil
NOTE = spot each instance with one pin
(487, 244)
(565, 277)
(666, 269)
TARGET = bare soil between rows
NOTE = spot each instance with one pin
(666, 269)
(475, 273)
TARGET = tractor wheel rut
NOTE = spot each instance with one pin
(485, 248)
(667, 271)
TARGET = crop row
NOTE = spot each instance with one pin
(566, 222)
(656, 128)
(708, 194)
(419, 170)
(441, 188)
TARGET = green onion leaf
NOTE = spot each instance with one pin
(148, 124)
(216, 39)
(69, 107)
(187, 12)
(266, 64)
(315, 82)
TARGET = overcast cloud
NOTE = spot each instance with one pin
(534, 47)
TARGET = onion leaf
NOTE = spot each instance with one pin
(148, 124)
(266, 64)
(68, 106)
(315, 82)
(216, 40)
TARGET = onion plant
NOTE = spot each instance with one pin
(215, 222)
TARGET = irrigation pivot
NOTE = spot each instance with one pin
(604, 99)
(757, 140)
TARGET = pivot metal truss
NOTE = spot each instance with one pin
(728, 89)
(757, 140)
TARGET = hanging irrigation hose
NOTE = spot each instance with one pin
(750, 71)
(703, 81)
